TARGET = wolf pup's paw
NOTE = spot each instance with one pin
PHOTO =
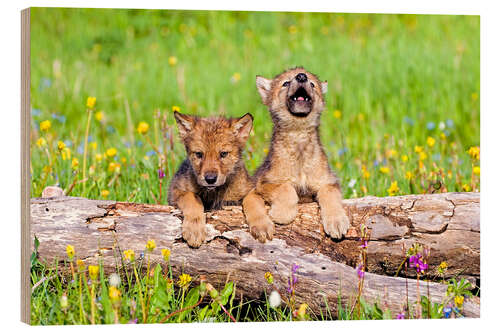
(335, 224)
(283, 214)
(194, 231)
(262, 229)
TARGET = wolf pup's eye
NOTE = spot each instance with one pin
(312, 84)
(286, 83)
(223, 154)
(198, 154)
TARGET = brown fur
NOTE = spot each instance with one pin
(214, 147)
(296, 167)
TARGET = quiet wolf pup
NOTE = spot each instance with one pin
(213, 174)
(296, 167)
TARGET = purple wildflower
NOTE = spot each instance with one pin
(416, 262)
(161, 174)
(360, 270)
(400, 316)
(364, 245)
(132, 321)
(292, 281)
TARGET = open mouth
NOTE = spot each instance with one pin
(300, 95)
(300, 103)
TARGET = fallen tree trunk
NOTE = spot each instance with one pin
(448, 223)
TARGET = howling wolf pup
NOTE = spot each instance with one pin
(296, 167)
(213, 174)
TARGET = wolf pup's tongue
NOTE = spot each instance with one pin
(300, 98)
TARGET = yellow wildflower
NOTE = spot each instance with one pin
(337, 114)
(476, 170)
(110, 152)
(384, 169)
(459, 301)
(338, 165)
(404, 158)
(146, 157)
(474, 96)
(151, 245)
(418, 149)
(466, 187)
(184, 280)
(123, 160)
(98, 157)
(114, 294)
(41, 142)
(301, 312)
(236, 77)
(74, 163)
(143, 127)
(129, 255)
(391, 153)
(269, 277)
(93, 145)
(66, 153)
(474, 152)
(70, 251)
(393, 189)
(45, 125)
(409, 175)
(366, 174)
(443, 265)
(175, 108)
(422, 156)
(442, 136)
(47, 169)
(104, 193)
(361, 117)
(99, 115)
(172, 60)
(166, 254)
(61, 145)
(431, 141)
(93, 271)
(114, 167)
(80, 264)
(292, 29)
(91, 102)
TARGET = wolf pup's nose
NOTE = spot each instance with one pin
(210, 177)
(301, 77)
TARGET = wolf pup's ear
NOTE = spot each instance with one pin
(264, 87)
(324, 87)
(242, 127)
(184, 123)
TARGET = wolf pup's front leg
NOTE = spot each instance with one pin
(260, 225)
(333, 217)
(193, 226)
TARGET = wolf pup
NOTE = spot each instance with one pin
(213, 174)
(296, 167)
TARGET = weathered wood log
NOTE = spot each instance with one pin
(448, 223)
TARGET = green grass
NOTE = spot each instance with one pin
(394, 79)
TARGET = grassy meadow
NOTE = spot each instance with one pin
(402, 116)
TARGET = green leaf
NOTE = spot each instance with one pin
(226, 292)
(105, 301)
(203, 313)
(192, 298)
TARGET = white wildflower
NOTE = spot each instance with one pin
(352, 183)
(114, 280)
(274, 299)
(442, 125)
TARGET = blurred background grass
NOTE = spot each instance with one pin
(394, 81)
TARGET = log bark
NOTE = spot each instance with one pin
(448, 223)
